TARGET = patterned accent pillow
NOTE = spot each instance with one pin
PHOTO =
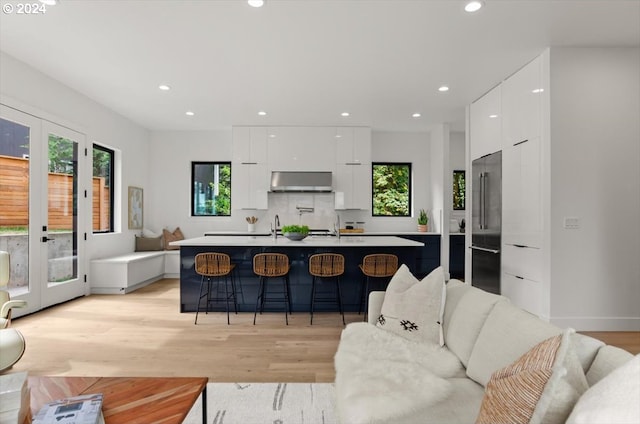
(169, 237)
(543, 385)
(412, 308)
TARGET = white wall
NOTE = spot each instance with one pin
(30, 91)
(169, 196)
(403, 147)
(167, 199)
(595, 176)
(457, 161)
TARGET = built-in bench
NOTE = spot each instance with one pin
(125, 273)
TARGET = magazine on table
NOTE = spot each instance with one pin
(84, 409)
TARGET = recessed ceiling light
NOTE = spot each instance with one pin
(164, 87)
(443, 88)
(272, 136)
(537, 90)
(338, 135)
(262, 113)
(473, 6)
(493, 116)
(416, 115)
(256, 3)
(344, 114)
(189, 113)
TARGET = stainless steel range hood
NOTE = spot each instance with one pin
(301, 181)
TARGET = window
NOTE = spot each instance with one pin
(103, 186)
(210, 188)
(459, 190)
(391, 189)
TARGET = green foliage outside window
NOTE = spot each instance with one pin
(211, 189)
(459, 190)
(62, 155)
(391, 189)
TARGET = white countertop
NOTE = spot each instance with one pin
(281, 241)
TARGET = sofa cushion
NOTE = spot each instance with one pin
(456, 289)
(586, 348)
(507, 334)
(614, 399)
(608, 359)
(413, 308)
(542, 386)
(467, 319)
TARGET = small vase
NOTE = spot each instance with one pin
(251, 228)
(422, 228)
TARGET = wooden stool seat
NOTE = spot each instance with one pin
(269, 265)
(326, 265)
(377, 265)
(215, 265)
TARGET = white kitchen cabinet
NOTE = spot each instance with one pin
(353, 145)
(353, 186)
(522, 261)
(250, 145)
(250, 183)
(523, 293)
(522, 203)
(301, 149)
(522, 104)
(485, 124)
(353, 168)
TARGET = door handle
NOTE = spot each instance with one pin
(45, 239)
(481, 200)
(484, 249)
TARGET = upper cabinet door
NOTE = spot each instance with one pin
(485, 124)
(250, 144)
(301, 149)
(522, 95)
(353, 145)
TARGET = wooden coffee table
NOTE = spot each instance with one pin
(127, 400)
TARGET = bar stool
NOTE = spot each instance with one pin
(215, 265)
(269, 265)
(377, 265)
(326, 265)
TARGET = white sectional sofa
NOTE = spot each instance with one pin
(384, 378)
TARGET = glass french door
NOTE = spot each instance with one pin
(42, 209)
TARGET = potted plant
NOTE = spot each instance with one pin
(423, 220)
(295, 232)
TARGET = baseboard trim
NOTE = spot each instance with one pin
(598, 323)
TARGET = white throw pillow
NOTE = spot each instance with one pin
(150, 234)
(614, 399)
(414, 309)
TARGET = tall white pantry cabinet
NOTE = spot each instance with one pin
(570, 172)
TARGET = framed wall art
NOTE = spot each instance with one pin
(135, 208)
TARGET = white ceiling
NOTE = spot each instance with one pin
(302, 61)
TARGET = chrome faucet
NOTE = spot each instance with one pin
(276, 223)
(336, 226)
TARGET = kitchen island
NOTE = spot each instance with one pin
(241, 249)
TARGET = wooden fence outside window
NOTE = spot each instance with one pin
(14, 197)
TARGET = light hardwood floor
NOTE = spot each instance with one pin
(144, 334)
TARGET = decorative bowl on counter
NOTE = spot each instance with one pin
(295, 232)
(295, 236)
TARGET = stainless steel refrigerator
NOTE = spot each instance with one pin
(486, 224)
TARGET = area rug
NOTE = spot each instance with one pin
(262, 403)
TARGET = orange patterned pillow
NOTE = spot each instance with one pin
(169, 237)
(543, 385)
